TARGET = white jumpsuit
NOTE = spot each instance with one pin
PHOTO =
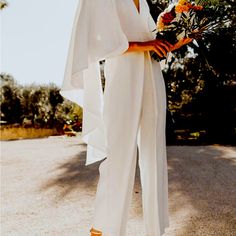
(132, 119)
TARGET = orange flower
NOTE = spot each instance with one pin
(184, 5)
(181, 8)
(189, 5)
(160, 24)
(182, 2)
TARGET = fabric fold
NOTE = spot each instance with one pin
(96, 35)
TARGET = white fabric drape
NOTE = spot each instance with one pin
(96, 35)
(134, 103)
(101, 29)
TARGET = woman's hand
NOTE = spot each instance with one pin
(181, 43)
(159, 46)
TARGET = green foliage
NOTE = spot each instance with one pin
(10, 100)
(36, 105)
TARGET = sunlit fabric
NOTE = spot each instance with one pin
(130, 115)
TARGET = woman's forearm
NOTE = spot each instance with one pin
(159, 46)
(138, 47)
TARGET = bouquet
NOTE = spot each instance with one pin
(188, 19)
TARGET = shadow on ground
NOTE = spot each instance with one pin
(201, 184)
(205, 179)
(73, 175)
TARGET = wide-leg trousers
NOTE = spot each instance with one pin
(135, 116)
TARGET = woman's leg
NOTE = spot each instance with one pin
(122, 107)
(113, 197)
(152, 153)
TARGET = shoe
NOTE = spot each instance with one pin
(95, 232)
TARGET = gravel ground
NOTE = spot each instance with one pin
(47, 190)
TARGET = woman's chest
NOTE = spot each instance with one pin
(134, 22)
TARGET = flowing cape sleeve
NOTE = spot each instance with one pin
(96, 35)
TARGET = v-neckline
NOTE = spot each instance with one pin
(138, 11)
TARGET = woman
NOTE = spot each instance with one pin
(128, 117)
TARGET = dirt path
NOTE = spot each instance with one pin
(47, 190)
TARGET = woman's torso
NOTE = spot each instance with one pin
(137, 25)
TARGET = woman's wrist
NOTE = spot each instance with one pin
(135, 46)
(139, 46)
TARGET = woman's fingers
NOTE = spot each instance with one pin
(185, 41)
(160, 50)
(188, 40)
(181, 43)
(162, 47)
(167, 48)
(168, 44)
(157, 51)
(164, 44)
(176, 46)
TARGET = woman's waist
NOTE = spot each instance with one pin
(139, 36)
(131, 57)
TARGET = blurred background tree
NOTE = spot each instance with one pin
(3, 4)
(10, 100)
(201, 84)
(36, 105)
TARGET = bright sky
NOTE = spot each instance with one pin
(35, 38)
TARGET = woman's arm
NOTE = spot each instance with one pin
(159, 46)
(181, 43)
